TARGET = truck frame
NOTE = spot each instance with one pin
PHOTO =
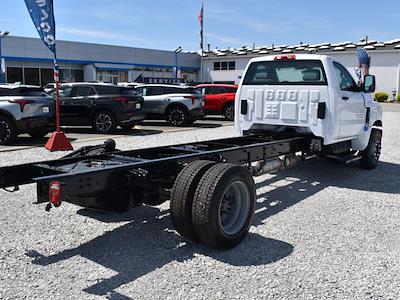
(210, 184)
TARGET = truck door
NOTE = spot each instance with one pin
(351, 103)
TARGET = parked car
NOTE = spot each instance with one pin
(49, 87)
(24, 109)
(219, 99)
(103, 106)
(129, 84)
(179, 105)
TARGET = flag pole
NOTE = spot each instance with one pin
(201, 19)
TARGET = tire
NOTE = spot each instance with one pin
(229, 112)
(182, 197)
(177, 116)
(104, 122)
(38, 134)
(223, 206)
(370, 156)
(8, 132)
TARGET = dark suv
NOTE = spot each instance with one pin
(103, 106)
(24, 109)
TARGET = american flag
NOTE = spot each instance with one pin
(201, 20)
(363, 60)
(56, 72)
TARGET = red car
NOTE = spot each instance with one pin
(219, 99)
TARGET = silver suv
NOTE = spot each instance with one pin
(179, 105)
(24, 109)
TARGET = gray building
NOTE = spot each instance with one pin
(27, 60)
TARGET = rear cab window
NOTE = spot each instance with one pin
(288, 72)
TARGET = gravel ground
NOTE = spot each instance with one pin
(321, 231)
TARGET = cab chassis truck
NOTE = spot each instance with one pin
(210, 184)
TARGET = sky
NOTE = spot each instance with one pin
(167, 24)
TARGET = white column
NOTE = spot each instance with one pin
(89, 73)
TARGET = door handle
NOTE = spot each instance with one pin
(345, 98)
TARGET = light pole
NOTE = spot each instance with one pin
(2, 36)
(176, 51)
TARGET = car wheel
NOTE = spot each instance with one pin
(7, 131)
(229, 112)
(182, 196)
(370, 156)
(38, 134)
(223, 205)
(177, 116)
(104, 122)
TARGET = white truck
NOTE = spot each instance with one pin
(312, 95)
(290, 108)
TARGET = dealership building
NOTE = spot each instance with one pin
(227, 65)
(27, 60)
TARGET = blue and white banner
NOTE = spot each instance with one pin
(42, 15)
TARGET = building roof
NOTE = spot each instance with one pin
(303, 48)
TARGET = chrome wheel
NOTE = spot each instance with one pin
(5, 131)
(230, 112)
(104, 122)
(234, 208)
(177, 117)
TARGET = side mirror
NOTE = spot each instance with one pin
(369, 84)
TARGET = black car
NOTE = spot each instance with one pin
(103, 106)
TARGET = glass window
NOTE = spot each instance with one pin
(294, 72)
(77, 75)
(65, 75)
(64, 92)
(231, 90)
(231, 65)
(31, 76)
(155, 91)
(224, 65)
(46, 76)
(80, 91)
(346, 81)
(217, 65)
(14, 75)
(107, 90)
(214, 90)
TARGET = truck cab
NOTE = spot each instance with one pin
(310, 94)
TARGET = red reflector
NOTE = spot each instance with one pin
(21, 103)
(285, 57)
(121, 99)
(55, 193)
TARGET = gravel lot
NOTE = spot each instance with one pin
(321, 231)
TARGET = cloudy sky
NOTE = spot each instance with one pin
(167, 24)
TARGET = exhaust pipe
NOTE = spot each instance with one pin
(274, 164)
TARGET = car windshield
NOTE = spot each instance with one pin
(295, 72)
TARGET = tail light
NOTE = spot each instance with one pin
(55, 193)
(285, 57)
(21, 103)
(120, 99)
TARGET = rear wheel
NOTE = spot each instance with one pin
(229, 112)
(223, 205)
(177, 116)
(182, 196)
(8, 132)
(370, 156)
(104, 122)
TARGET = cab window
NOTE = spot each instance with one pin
(345, 80)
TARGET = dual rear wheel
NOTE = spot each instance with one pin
(213, 203)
